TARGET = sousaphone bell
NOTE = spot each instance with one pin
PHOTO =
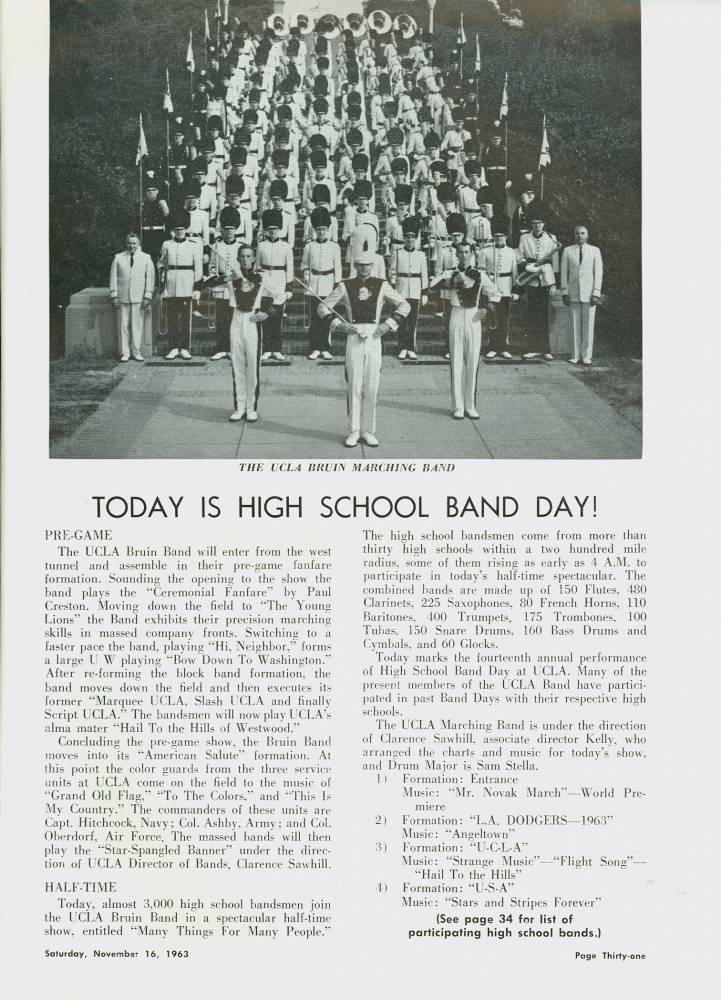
(279, 24)
(405, 26)
(356, 24)
(380, 22)
(329, 26)
(303, 23)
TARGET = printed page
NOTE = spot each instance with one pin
(361, 550)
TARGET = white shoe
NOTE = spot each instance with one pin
(236, 415)
(402, 355)
(491, 354)
(171, 355)
(185, 355)
(447, 357)
(265, 356)
(369, 439)
(412, 356)
(327, 356)
(251, 417)
(588, 363)
(314, 355)
(138, 357)
(352, 440)
(458, 414)
(531, 354)
(473, 414)
(507, 355)
(198, 313)
(548, 357)
(574, 361)
(279, 356)
(219, 355)
(125, 357)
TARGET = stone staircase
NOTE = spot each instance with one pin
(430, 334)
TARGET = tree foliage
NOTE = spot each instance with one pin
(577, 60)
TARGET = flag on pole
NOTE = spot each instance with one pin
(545, 157)
(504, 100)
(189, 59)
(478, 54)
(142, 144)
(167, 99)
(461, 32)
(207, 26)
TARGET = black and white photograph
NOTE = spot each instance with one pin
(299, 699)
(300, 230)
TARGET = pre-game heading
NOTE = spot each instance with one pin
(407, 507)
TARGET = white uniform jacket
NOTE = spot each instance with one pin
(581, 281)
(132, 284)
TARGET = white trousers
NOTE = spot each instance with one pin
(244, 362)
(464, 335)
(363, 356)
(131, 321)
(583, 317)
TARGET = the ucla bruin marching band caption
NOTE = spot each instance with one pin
(191, 702)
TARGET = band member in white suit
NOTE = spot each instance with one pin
(467, 284)
(223, 261)
(409, 275)
(581, 281)
(247, 297)
(275, 262)
(499, 263)
(181, 264)
(132, 284)
(361, 300)
(321, 266)
(538, 258)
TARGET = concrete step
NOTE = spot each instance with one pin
(300, 347)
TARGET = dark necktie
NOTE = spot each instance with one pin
(132, 258)
(580, 256)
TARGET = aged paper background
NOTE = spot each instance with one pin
(672, 493)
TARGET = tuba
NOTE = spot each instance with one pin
(329, 26)
(405, 26)
(356, 24)
(303, 23)
(380, 22)
(279, 25)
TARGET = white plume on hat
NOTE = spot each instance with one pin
(364, 243)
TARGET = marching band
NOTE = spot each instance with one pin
(335, 161)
